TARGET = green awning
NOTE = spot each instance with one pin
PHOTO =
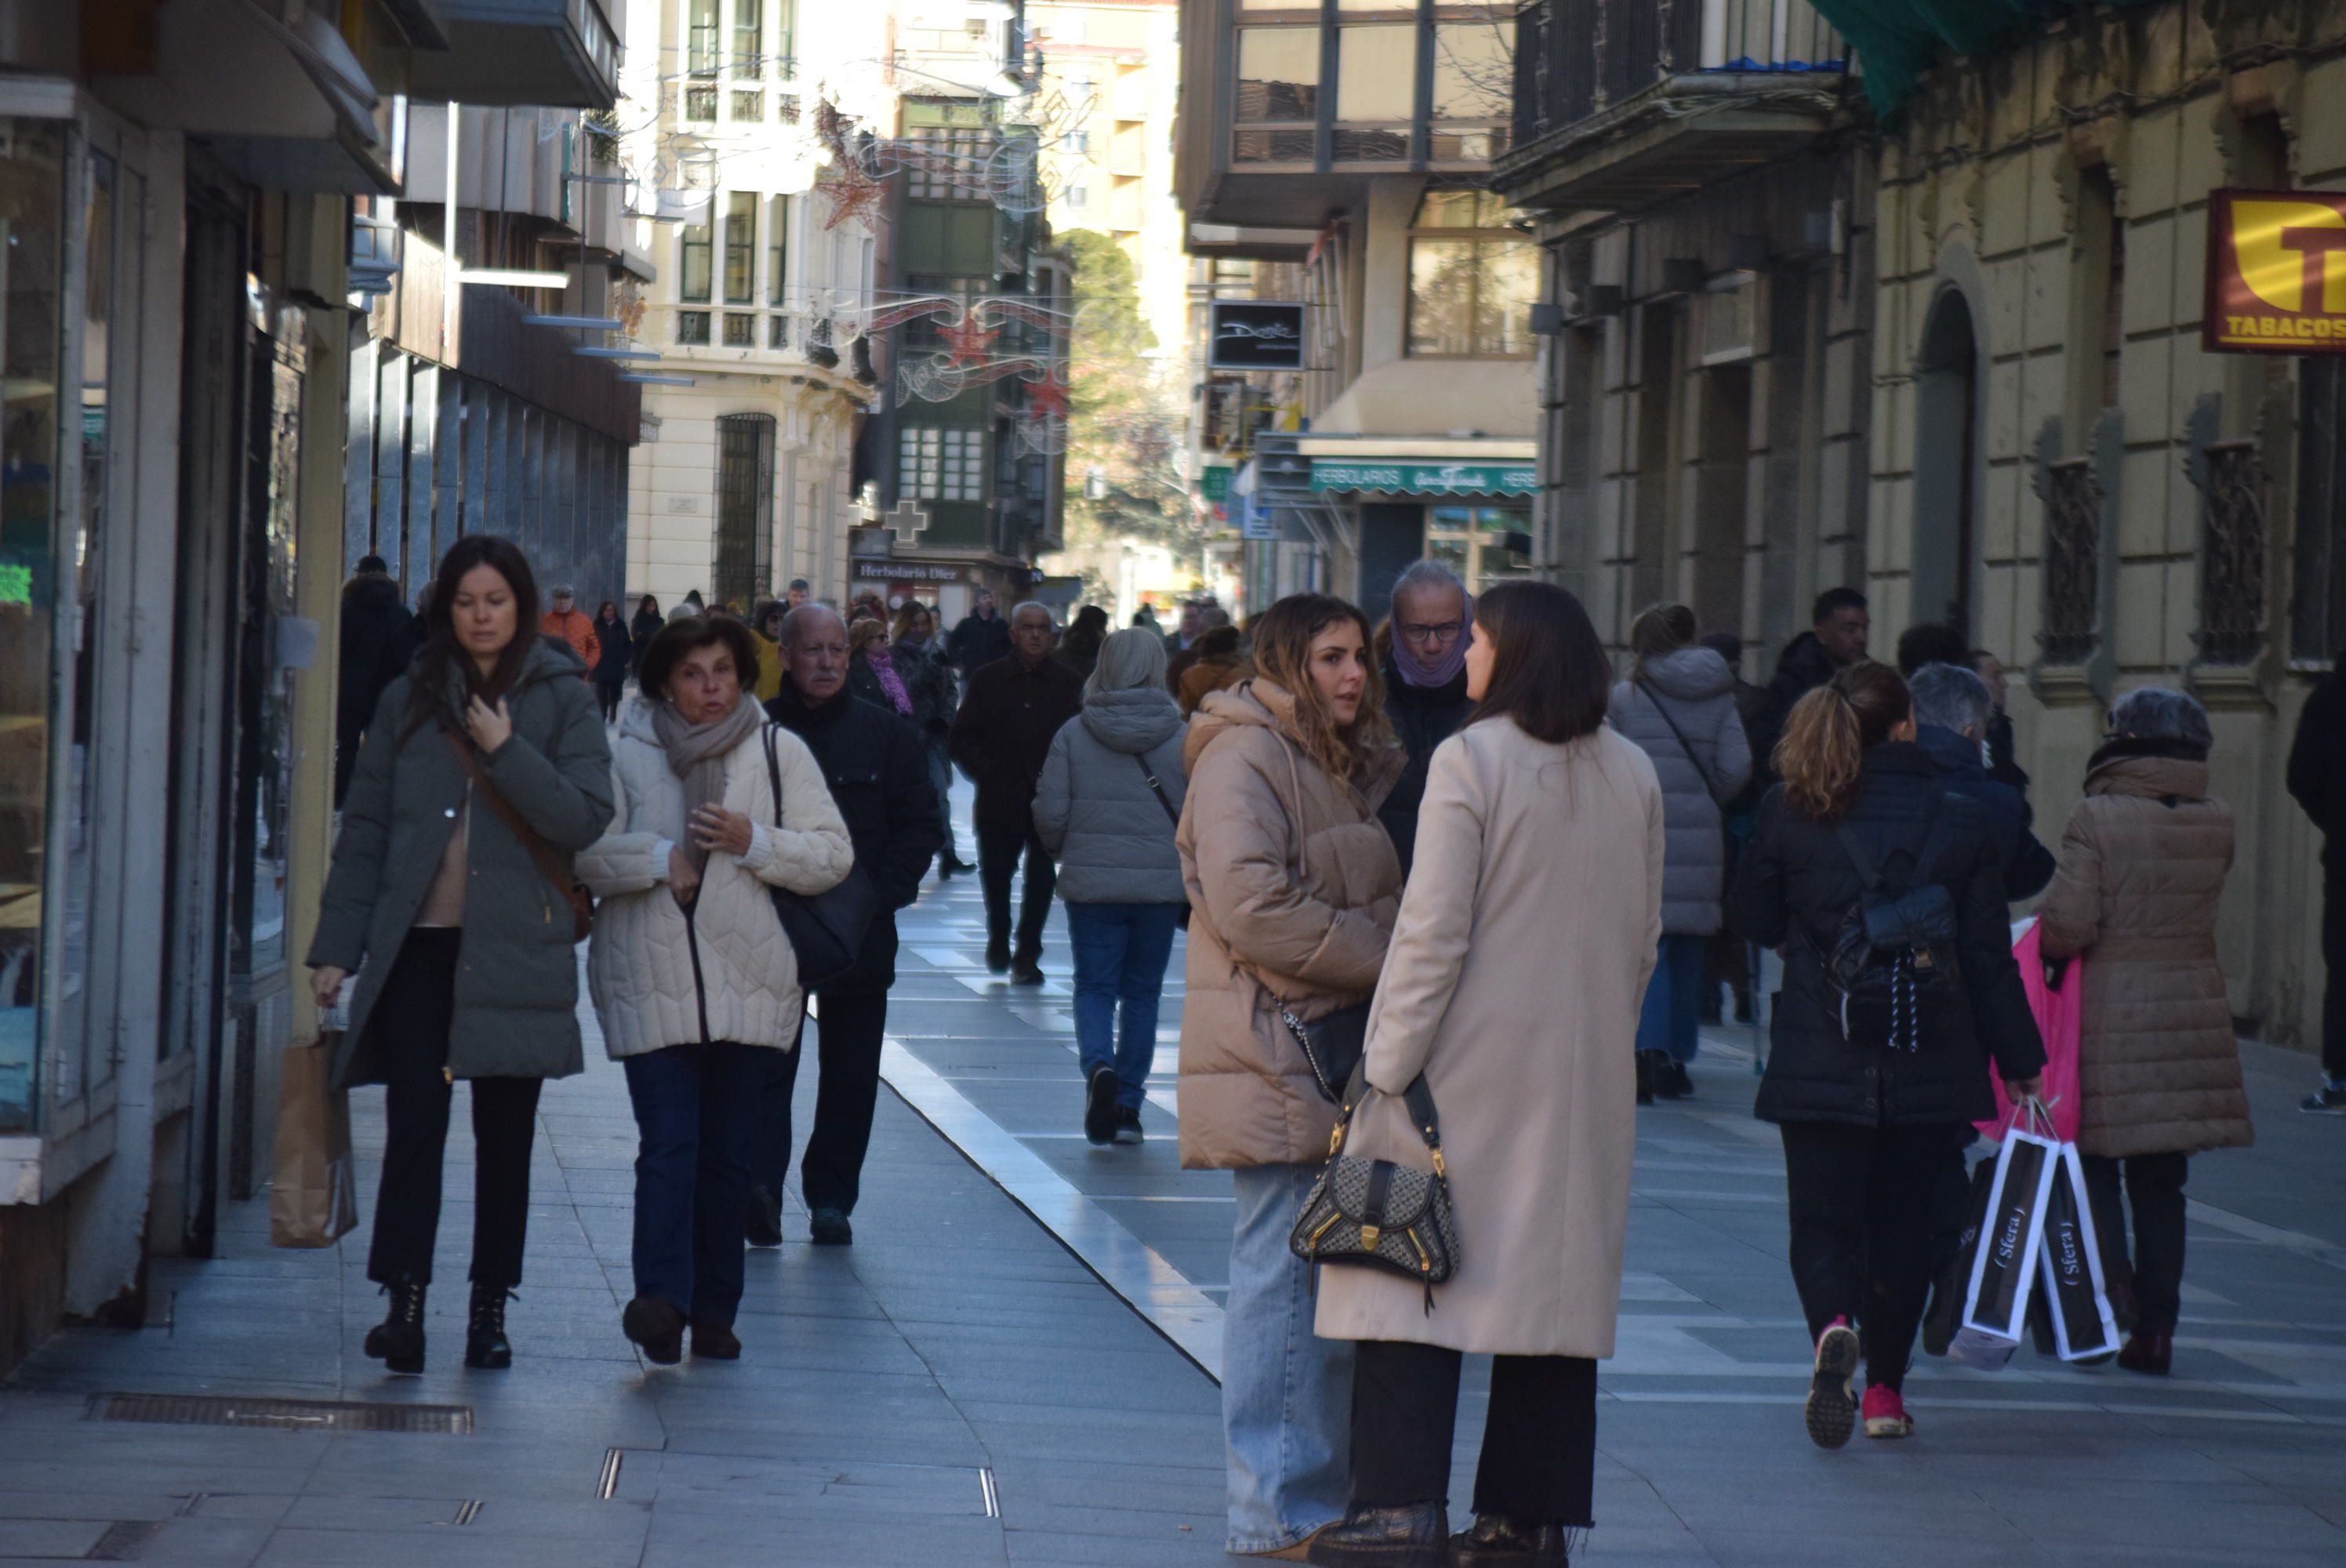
(1897, 40)
(1425, 478)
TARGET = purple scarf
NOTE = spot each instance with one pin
(884, 664)
(1412, 673)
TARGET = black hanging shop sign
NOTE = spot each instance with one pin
(1255, 335)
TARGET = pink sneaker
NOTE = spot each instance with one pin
(1886, 1413)
(1832, 1407)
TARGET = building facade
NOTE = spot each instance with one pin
(1345, 152)
(178, 332)
(742, 120)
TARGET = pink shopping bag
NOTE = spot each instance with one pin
(2060, 1017)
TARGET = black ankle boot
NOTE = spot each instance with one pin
(1496, 1541)
(485, 1344)
(1413, 1536)
(398, 1341)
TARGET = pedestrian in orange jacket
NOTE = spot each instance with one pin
(573, 626)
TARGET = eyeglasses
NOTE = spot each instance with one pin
(1418, 632)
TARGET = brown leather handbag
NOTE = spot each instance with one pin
(552, 864)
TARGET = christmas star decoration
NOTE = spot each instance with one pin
(967, 341)
(853, 194)
(1047, 398)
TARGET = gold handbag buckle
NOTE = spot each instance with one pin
(1368, 1236)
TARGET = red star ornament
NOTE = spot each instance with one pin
(853, 194)
(1047, 398)
(967, 341)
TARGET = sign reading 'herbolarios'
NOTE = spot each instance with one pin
(2276, 272)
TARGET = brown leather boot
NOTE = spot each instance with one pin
(2150, 1353)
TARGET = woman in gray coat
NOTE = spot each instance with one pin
(1678, 706)
(464, 948)
(1107, 805)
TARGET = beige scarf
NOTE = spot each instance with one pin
(696, 754)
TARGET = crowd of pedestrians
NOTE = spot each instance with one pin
(1456, 898)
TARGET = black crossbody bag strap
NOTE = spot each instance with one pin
(1141, 762)
(1684, 745)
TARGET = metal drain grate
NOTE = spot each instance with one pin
(286, 1415)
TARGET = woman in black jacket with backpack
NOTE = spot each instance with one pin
(1879, 1056)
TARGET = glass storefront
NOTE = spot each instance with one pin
(1484, 544)
(33, 162)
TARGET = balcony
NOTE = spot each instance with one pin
(561, 54)
(1620, 104)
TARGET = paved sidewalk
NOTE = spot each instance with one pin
(955, 1364)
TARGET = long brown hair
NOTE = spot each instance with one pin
(1821, 755)
(428, 676)
(1659, 631)
(1548, 670)
(1283, 656)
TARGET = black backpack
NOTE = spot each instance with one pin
(1891, 973)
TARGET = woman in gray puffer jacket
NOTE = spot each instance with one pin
(1106, 806)
(1678, 706)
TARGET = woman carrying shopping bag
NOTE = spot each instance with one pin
(1874, 1117)
(1106, 806)
(483, 770)
(1527, 935)
(2142, 868)
(692, 976)
(1293, 884)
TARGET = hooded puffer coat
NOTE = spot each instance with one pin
(663, 975)
(1095, 811)
(1293, 887)
(1704, 761)
(2143, 864)
(518, 975)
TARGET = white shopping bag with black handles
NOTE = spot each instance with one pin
(2076, 1294)
(2004, 1264)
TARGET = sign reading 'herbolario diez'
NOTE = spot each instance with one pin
(1255, 335)
(2276, 272)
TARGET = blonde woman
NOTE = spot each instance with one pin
(1293, 885)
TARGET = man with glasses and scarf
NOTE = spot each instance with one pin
(1425, 684)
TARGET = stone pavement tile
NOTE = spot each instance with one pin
(205, 1542)
(105, 1505)
(1136, 1546)
(679, 1540)
(1827, 1540)
(49, 1537)
(619, 1545)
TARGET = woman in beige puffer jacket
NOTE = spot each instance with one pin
(2142, 870)
(1293, 886)
(695, 984)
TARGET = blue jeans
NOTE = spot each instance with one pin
(1287, 1394)
(1672, 1015)
(695, 1107)
(1121, 951)
(940, 775)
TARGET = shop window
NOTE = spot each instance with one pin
(693, 263)
(1484, 544)
(1278, 95)
(740, 247)
(1472, 280)
(692, 327)
(29, 584)
(744, 569)
(941, 462)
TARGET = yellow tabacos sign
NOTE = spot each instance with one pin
(2276, 271)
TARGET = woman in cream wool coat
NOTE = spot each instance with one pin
(1525, 943)
(690, 970)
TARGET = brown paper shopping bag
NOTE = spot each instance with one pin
(314, 1195)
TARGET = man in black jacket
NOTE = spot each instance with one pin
(1836, 639)
(879, 775)
(1951, 716)
(1001, 736)
(1425, 686)
(378, 637)
(2317, 779)
(982, 637)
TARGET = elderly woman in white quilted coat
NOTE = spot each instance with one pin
(690, 970)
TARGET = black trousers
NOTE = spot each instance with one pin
(607, 693)
(997, 858)
(2333, 959)
(412, 1019)
(1866, 1206)
(2154, 1192)
(1538, 1465)
(847, 1041)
